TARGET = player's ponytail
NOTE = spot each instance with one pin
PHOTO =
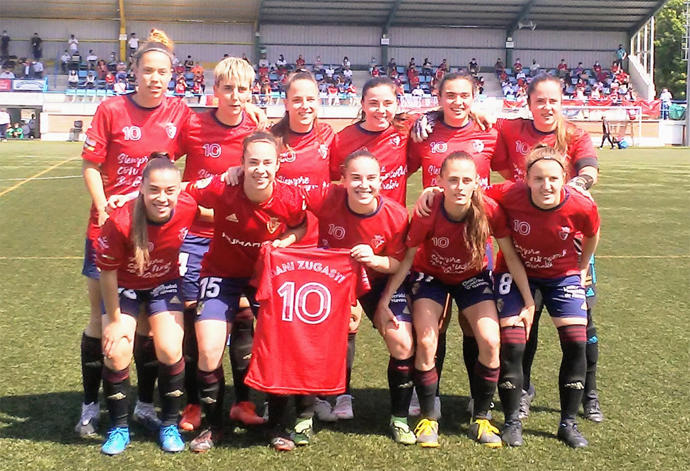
(564, 130)
(140, 230)
(281, 129)
(156, 41)
(476, 222)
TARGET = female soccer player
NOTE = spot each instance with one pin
(357, 216)
(447, 255)
(245, 216)
(213, 144)
(545, 216)
(123, 131)
(516, 138)
(137, 251)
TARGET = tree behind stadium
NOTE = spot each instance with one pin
(669, 68)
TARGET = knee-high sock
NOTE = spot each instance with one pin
(400, 384)
(147, 367)
(440, 358)
(191, 356)
(304, 406)
(571, 378)
(115, 390)
(530, 351)
(470, 353)
(425, 382)
(240, 351)
(350, 360)
(91, 367)
(211, 392)
(592, 354)
(510, 378)
(170, 389)
(277, 412)
(485, 379)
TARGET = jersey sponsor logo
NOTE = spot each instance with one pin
(132, 133)
(288, 157)
(440, 242)
(323, 151)
(243, 243)
(337, 232)
(377, 241)
(171, 130)
(521, 227)
(232, 218)
(438, 147)
(564, 232)
(477, 146)
(522, 147)
(212, 150)
(273, 224)
(201, 184)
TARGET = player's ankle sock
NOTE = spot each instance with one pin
(170, 384)
(115, 390)
(470, 353)
(510, 379)
(191, 356)
(440, 358)
(304, 406)
(400, 385)
(240, 351)
(91, 367)
(485, 386)
(425, 383)
(147, 367)
(211, 393)
(592, 355)
(571, 376)
(350, 360)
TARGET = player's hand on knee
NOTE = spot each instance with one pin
(526, 318)
(113, 335)
(382, 317)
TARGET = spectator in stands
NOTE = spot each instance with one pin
(6, 73)
(318, 65)
(31, 125)
(64, 61)
(332, 94)
(281, 63)
(351, 93)
(109, 80)
(534, 68)
(346, 62)
(120, 86)
(72, 79)
(517, 66)
(596, 68)
(499, 66)
(411, 64)
(347, 73)
(188, 64)
(176, 62)
(27, 72)
(330, 71)
(265, 94)
(595, 94)
(37, 69)
(101, 69)
(133, 44)
(15, 131)
(444, 66)
(375, 71)
(427, 67)
(73, 44)
(579, 70)
(180, 86)
(392, 66)
(621, 55)
(300, 63)
(90, 80)
(36, 48)
(417, 93)
(121, 71)
(199, 83)
(4, 123)
(562, 69)
(440, 71)
(26, 132)
(198, 70)
(665, 97)
(91, 59)
(413, 78)
(4, 46)
(473, 67)
(372, 64)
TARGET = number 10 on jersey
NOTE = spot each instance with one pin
(295, 302)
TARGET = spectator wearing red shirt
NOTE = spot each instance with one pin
(562, 68)
(299, 63)
(517, 66)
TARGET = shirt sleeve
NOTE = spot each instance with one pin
(262, 277)
(97, 137)
(501, 158)
(414, 156)
(582, 151)
(418, 230)
(498, 220)
(110, 246)
(206, 192)
(591, 222)
(397, 248)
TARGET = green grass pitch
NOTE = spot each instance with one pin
(644, 377)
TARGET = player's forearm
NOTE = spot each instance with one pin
(108, 282)
(516, 269)
(94, 184)
(589, 246)
(205, 214)
(397, 278)
(591, 172)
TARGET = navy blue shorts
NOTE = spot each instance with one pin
(399, 303)
(163, 298)
(467, 293)
(192, 251)
(89, 269)
(563, 297)
(220, 298)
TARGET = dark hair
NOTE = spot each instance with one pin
(399, 119)
(563, 131)
(281, 129)
(476, 231)
(259, 136)
(140, 234)
(358, 154)
(458, 76)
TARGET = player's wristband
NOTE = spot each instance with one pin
(583, 181)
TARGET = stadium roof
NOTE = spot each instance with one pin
(608, 15)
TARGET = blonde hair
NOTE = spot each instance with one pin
(234, 68)
(544, 152)
(156, 41)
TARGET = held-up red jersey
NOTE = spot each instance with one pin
(241, 226)
(339, 227)
(517, 137)
(121, 137)
(212, 147)
(430, 154)
(441, 246)
(389, 147)
(114, 249)
(544, 239)
(300, 343)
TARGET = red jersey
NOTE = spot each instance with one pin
(121, 137)
(241, 226)
(441, 246)
(544, 238)
(430, 154)
(339, 227)
(389, 147)
(300, 343)
(114, 249)
(517, 137)
(305, 163)
(212, 147)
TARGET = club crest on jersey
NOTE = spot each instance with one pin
(232, 218)
(323, 151)
(438, 147)
(377, 241)
(477, 146)
(183, 233)
(170, 130)
(395, 141)
(564, 232)
(150, 246)
(273, 224)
